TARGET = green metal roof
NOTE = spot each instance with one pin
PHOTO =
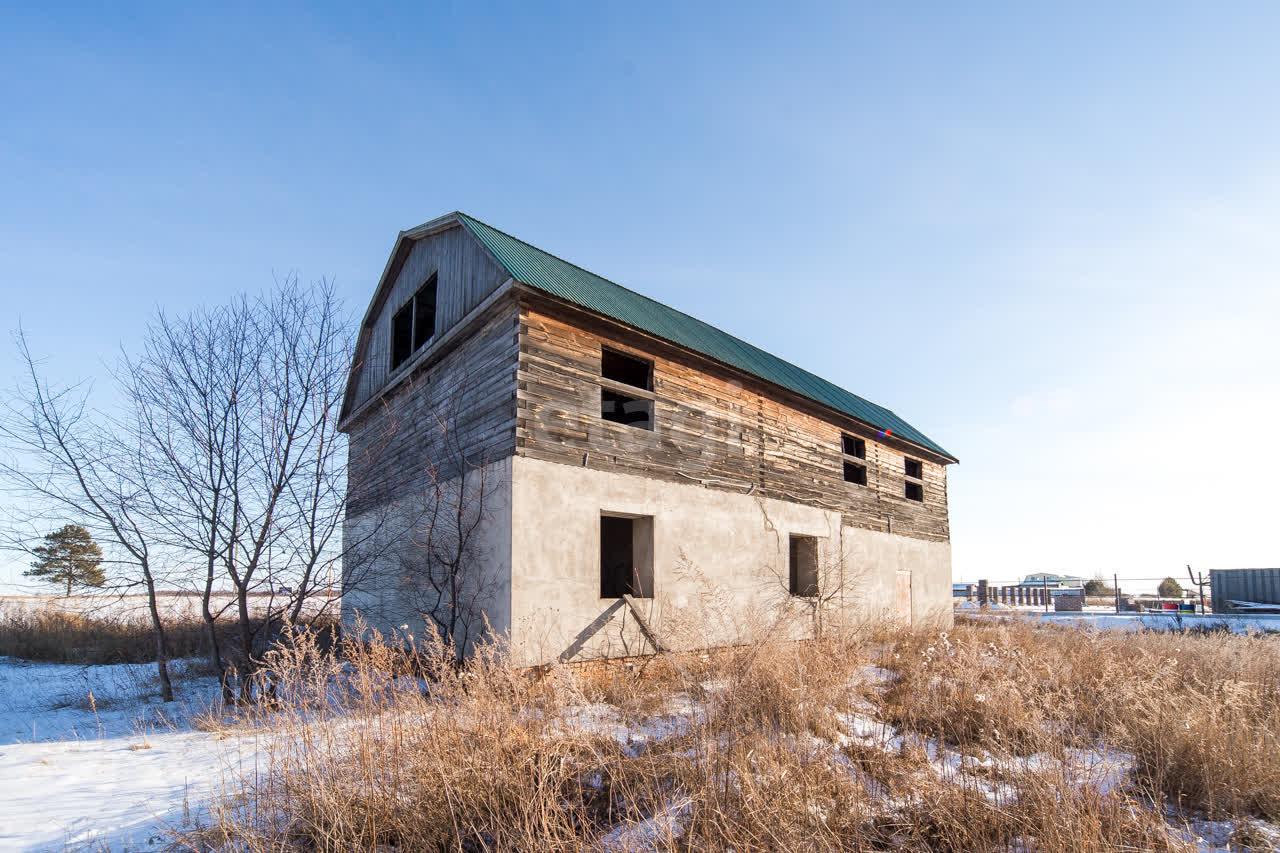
(546, 272)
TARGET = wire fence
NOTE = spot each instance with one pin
(1057, 591)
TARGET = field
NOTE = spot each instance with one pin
(1000, 734)
(128, 608)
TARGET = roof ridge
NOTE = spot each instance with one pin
(825, 391)
(597, 275)
(658, 303)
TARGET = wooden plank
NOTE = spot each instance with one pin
(706, 427)
(648, 632)
(394, 444)
(466, 276)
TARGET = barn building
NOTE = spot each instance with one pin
(543, 453)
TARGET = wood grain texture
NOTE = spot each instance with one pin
(465, 275)
(461, 407)
(712, 426)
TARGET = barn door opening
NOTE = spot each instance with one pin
(902, 597)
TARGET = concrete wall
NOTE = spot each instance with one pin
(891, 576)
(388, 546)
(720, 565)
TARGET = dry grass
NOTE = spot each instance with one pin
(1199, 712)
(55, 635)
(974, 739)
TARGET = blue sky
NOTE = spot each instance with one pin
(1044, 237)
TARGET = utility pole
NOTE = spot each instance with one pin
(1199, 583)
(1044, 581)
(1115, 581)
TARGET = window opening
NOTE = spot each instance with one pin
(424, 314)
(401, 335)
(626, 556)
(626, 369)
(804, 565)
(617, 405)
(621, 409)
(413, 324)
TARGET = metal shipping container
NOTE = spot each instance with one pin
(1261, 586)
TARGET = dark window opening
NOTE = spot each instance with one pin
(414, 324)
(915, 492)
(623, 409)
(853, 446)
(804, 566)
(855, 473)
(915, 468)
(626, 557)
(401, 335)
(424, 314)
(626, 369)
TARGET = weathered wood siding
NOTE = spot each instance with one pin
(460, 407)
(712, 426)
(465, 276)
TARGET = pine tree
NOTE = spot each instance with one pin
(68, 556)
(1097, 586)
(1170, 588)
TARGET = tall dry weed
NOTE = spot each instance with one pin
(1199, 713)
(969, 741)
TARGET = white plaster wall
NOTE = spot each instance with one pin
(377, 589)
(872, 564)
(720, 564)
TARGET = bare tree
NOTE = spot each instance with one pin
(61, 463)
(225, 457)
(186, 387)
(238, 410)
(823, 593)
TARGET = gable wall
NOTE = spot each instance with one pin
(461, 406)
(466, 275)
(710, 427)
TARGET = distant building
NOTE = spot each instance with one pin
(1245, 590)
(1043, 579)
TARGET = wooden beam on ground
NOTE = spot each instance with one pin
(643, 623)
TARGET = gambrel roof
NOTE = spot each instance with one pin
(544, 271)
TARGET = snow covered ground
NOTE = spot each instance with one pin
(1168, 621)
(111, 772)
